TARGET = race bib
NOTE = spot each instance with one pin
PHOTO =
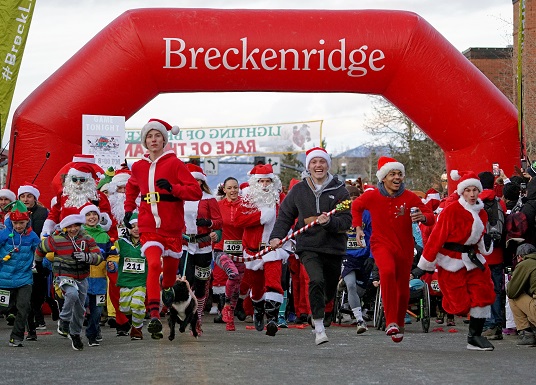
(101, 299)
(202, 273)
(435, 285)
(4, 297)
(352, 244)
(232, 247)
(134, 265)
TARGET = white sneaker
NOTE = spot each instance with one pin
(321, 338)
(213, 310)
(361, 327)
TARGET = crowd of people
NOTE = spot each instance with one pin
(114, 244)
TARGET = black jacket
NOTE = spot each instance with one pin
(38, 215)
(302, 202)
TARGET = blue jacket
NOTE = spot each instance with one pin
(17, 270)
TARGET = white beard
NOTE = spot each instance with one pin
(117, 203)
(259, 196)
(79, 195)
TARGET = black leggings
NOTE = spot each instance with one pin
(197, 272)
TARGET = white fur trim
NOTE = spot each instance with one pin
(468, 183)
(105, 222)
(448, 263)
(267, 214)
(84, 159)
(454, 175)
(120, 179)
(199, 175)
(387, 167)
(154, 125)
(7, 193)
(426, 265)
(151, 244)
(172, 254)
(75, 172)
(273, 296)
(72, 219)
(470, 265)
(317, 154)
(28, 189)
(48, 227)
(260, 176)
(218, 289)
(480, 312)
(89, 208)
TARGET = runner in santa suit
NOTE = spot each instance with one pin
(457, 246)
(164, 183)
(392, 240)
(257, 217)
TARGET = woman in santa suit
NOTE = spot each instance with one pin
(230, 244)
(457, 245)
(202, 219)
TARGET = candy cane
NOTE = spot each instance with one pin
(344, 205)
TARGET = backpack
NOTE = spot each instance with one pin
(495, 225)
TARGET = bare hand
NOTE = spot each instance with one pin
(418, 216)
(359, 236)
(375, 283)
(275, 243)
(213, 236)
(323, 219)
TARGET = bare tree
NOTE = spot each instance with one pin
(423, 159)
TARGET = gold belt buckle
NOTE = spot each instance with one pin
(149, 197)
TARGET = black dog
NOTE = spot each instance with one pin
(184, 309)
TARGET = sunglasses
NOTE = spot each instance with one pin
(76, 179)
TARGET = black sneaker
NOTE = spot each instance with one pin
(15, 343)
(10, 319)
(93, 341)
(479, 343)
(154, 326)
(32, 336)
(99, 337)
(63, 328)
(76, 341)
(157, 335)
(121, 333)
(271, 328)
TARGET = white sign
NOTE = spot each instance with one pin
(104, 137)
(211, 166)
(275, 161)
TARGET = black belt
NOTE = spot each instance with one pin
(197, 238)
(155, 197)
(469, 249)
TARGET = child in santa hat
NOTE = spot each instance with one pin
(393, 209)
(457, 246)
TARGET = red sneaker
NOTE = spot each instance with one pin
(227, 314)
(392, 329)
(230, 326)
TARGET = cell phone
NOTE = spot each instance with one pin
(523, 188)
(496, 170)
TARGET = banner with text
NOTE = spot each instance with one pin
(15, 17)
(104, 137)
(236, 140)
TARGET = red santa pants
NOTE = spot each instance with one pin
(463, 290)
(300, 286)
(395, 269)
(266, 280)
(152, 244)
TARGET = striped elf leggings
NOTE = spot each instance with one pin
(132, 301)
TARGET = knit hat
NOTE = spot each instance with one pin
(386, 164)
(29, 188)
(487, 179)
(121, 177)
(316, 152)
(262, 171)
(134, 218)
(525, 248)
(18, 211)
(196, 171)
(106, 178)
(511, 191)
(158, 125)
(89, 208)
(7, 193)
(465, 179)
(70, 216)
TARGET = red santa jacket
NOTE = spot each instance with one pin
(230, 231)
(460, 223)
(390, 220)
(206, 208)
(165, 217)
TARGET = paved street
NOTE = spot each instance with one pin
(250, 357)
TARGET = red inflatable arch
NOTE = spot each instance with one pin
(146, 52)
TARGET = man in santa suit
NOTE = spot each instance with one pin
(76, 185)
(257, 217)
(390, 207)
(457, 246)
(164, 183)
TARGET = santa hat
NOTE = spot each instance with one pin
(89, 208)
(293, 182)
(7, 193)
(316, 152)
(197, 172)
(18, 211)
(465, 179)
(121, 177)
(244, 185)
(386, 164)
(158, 125)
(84, 166)
(262, 171)
(29, 188)
(70, 216)
(106, 178)
(368, 187)
(432, 194)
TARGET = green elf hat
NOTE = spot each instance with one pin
(18, 211)
(107, 178)
(133, 218)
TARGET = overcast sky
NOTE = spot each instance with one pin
(60, 28)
